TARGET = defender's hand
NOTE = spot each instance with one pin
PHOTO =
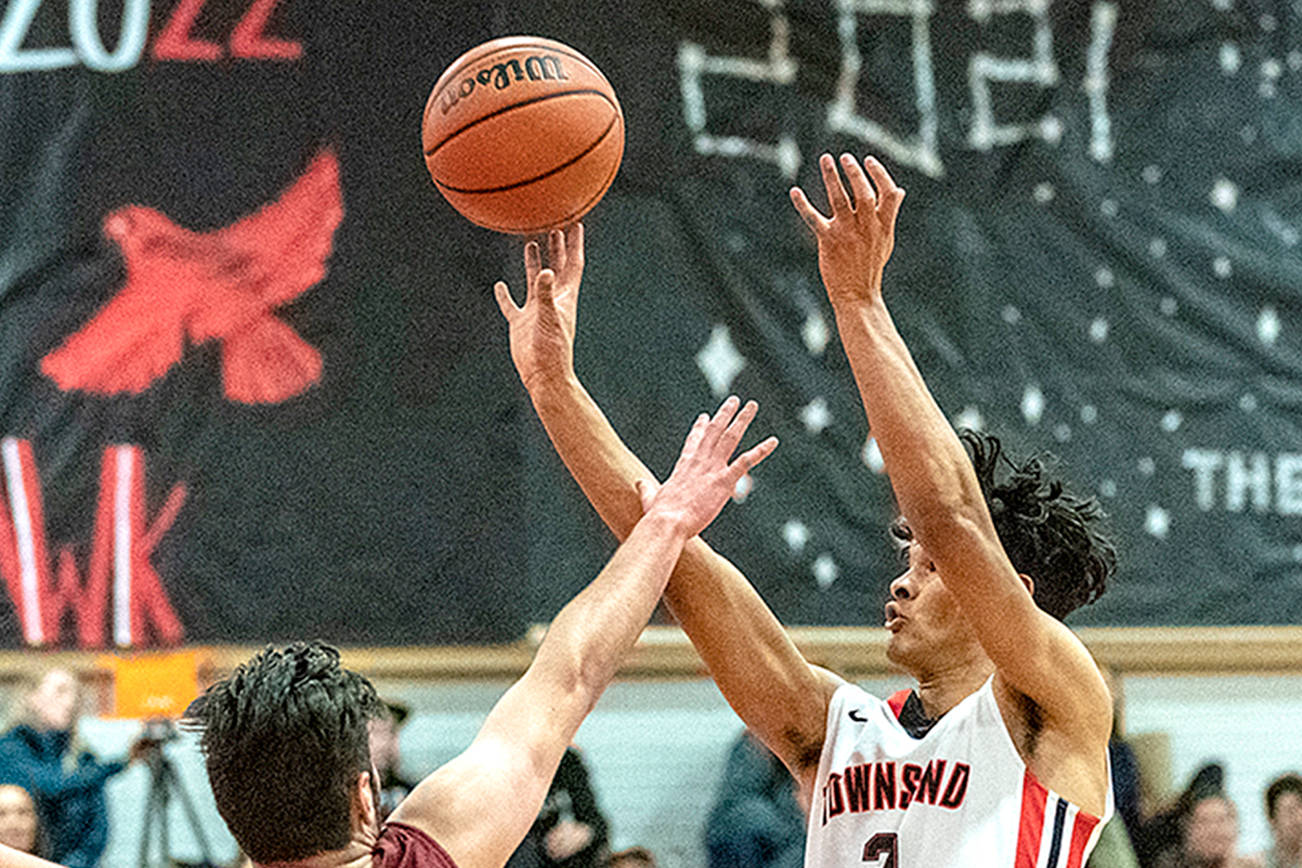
(855, 242)
(703, 479)
(542, 332)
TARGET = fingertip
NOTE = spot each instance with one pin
(505, 303)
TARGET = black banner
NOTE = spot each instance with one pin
(253, 384)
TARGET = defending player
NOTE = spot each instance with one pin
(999, 757)
(285, 736)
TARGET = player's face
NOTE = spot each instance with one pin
(383, 736)
(927, 628)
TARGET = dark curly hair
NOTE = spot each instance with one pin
(284, 739)
(1050, 535)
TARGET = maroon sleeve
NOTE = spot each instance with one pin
(403, 846)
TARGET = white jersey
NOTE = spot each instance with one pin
(959, 797)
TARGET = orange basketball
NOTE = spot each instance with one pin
(522, 134)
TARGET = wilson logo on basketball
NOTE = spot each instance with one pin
(502, 75)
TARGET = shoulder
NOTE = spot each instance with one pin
(842, 694)
(404, 846)
(15, 737)
(16, 746)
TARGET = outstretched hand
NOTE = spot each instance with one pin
(542, 331)
(855, 242)
(703, 479)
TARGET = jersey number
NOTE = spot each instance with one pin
(883, 844)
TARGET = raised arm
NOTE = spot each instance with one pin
(480, 805)
(933, 478)
(11, 858)
(750, 656)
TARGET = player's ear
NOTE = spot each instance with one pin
(1028, 582)
(366, 801)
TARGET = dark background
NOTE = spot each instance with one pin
(1110, 272)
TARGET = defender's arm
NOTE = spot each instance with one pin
(480, 805)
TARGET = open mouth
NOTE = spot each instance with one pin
(894, 620)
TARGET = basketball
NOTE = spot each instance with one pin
(522, 134)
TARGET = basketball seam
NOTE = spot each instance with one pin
(532, 230)
(515, 105)
(570, 54)
(527, 181)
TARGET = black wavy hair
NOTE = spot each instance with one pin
(1286, 783)
(1049, 534)
(284, 739)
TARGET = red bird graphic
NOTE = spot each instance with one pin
(221, 285)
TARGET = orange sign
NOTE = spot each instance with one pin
(149, 686)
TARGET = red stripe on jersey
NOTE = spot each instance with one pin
(1080, 837)
(1031, 828)
(896, 701)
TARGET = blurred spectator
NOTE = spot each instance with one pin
(632, 857)
(1284, 811)
(1161, 832)
(18, 825)
(41, 753)
(756, 821)
(1206, 825)
(570, 831)
(386, 758)
(1125, 768)
(1113, 849)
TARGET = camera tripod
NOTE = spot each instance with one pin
(163, 784)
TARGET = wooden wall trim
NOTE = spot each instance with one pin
(858, 652)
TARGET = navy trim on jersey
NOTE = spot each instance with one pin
(914, 719)
(1059, 820)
